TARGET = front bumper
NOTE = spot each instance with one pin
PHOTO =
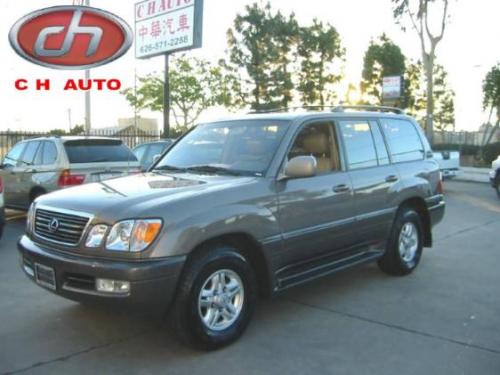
(152, 282)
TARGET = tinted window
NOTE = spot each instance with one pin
(30, 152)
(153, 150)
(139, 151)
(98, 151)
(14, 155)
(382, 154)
(358, 143)
(49, 153)
(317, 140)
(403, 139)
(243, 146)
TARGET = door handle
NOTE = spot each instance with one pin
(341, 188)
(391, 178)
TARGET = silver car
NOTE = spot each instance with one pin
(42, 165)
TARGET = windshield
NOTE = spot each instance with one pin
(238, 147)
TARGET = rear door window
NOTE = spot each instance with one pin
(140, 151)
(98, 151)
(359, 145)
(49, 155)
(29, 154)
(403, 139)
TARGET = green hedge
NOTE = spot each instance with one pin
(491, 151)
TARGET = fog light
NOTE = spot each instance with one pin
(112, 286)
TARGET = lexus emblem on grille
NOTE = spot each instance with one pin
(53, 225)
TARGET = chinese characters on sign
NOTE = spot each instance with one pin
(163, 26)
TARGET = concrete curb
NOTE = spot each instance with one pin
(471, 174)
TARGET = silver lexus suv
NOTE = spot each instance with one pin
(42, 165)
(239, 208)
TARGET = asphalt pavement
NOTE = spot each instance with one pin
(442, 319)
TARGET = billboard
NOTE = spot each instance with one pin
(167, 26)
(392, 87)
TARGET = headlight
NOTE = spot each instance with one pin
(133, 235)
(96, 235)
(30, 218)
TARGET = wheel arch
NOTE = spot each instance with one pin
(418, 204)
(250, 248)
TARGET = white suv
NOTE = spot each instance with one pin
(495, 175)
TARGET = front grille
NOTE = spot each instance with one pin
(69, 228)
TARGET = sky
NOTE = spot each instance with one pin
(468, 51)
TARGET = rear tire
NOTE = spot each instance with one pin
(405, 244)
(215, 298)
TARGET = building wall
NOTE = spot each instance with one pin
(148, 125)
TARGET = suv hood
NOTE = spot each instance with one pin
(133, 195)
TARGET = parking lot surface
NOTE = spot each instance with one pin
(442, 319)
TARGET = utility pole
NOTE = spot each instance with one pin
(69, 120)
(166, 101)
(88, 123)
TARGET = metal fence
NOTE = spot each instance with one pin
(131, 138)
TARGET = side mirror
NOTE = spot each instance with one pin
(156, 158)
(300, 167)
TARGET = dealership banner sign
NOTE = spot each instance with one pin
(392, 87)
(167, 26)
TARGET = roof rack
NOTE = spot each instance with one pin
(333, 108)
(378, 108)
(287, 109)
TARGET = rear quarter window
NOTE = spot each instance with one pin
(404, 141)
(98, 151)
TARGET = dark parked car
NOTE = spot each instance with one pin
(239, 208)
(147, 152)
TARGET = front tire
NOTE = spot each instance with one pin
(405, 244)
(215, 299)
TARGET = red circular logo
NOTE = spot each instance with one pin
(70, 37)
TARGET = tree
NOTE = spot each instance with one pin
(416, 96)
(285, 34)
(321, 55)
(418, 11)
(261, 46)
(382, 58)
(57, 132)
(77, 130)
(491, 95)
(195, 85)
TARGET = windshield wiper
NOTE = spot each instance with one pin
(171, 168)
(213, 169)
